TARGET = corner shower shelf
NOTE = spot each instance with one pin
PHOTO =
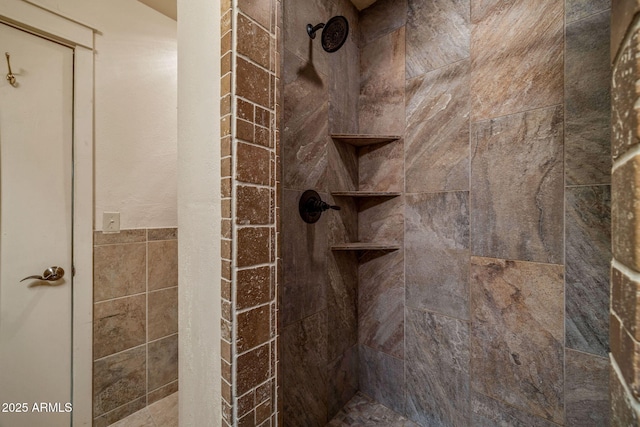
(365, 193)
(362, 246)
(364, 140)
(361, 140)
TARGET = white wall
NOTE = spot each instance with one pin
(135, 111)
(199, 308)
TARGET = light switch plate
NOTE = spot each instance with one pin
(111, 222)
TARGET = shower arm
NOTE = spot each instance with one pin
(311, 30)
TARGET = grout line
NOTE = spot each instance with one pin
(517, 260)
(586, 353)
(119, 298)
(626, 157)
(587, 185)
(633, 403)
(488, 119)
(591, 15)
(448, 316)
(518, 409)
(120, 352)
(159, 339)
(631, 274)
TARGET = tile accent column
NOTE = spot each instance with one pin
(135, 321)
(250, 146)
(625, 197)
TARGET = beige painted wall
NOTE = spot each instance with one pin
(135, 111)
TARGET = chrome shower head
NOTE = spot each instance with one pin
(334, 33)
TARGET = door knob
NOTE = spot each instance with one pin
(51, 274)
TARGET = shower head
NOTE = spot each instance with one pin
(334, 33)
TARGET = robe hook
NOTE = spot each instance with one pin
(10, 77)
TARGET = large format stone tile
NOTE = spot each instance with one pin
(304, 263)
(517, 352)
(163, 313)
(342, 303)
(579, 9)
(587, 390)
(119, 270)
(517, 187)
(162, 264)
(163, 362)
(342, 167)
(437, 135)
(382, 378)
(363, 411)
(487, 412)
(118, 325)
(381, 302)
(587, 101)
(437, 252)
(296, 16)
(305, 125)
(437, 369)
(303, 371)
(381, 102)
(343, 380)
(381, 219)
(344, 89)
(588, 241)
(380, 166)
(381, 18)
(517, 61)
(118, 379)
(438, 34)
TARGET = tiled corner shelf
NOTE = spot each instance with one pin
(364, 140)
(365, 193)
(361, 140)
(365, 246)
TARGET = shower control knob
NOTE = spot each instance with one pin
(311, 206)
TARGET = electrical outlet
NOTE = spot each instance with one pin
(111, 222)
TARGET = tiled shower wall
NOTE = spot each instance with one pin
(317, 322)
(249, 151)
(625, 276)
(502, 283)
(135, 321)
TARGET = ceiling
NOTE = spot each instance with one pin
(170, 9)
(362, 4)
(166, 7)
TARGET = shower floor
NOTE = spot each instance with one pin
(362, 411)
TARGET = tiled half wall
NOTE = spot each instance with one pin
(135, 321)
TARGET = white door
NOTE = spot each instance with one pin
(35, 230)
